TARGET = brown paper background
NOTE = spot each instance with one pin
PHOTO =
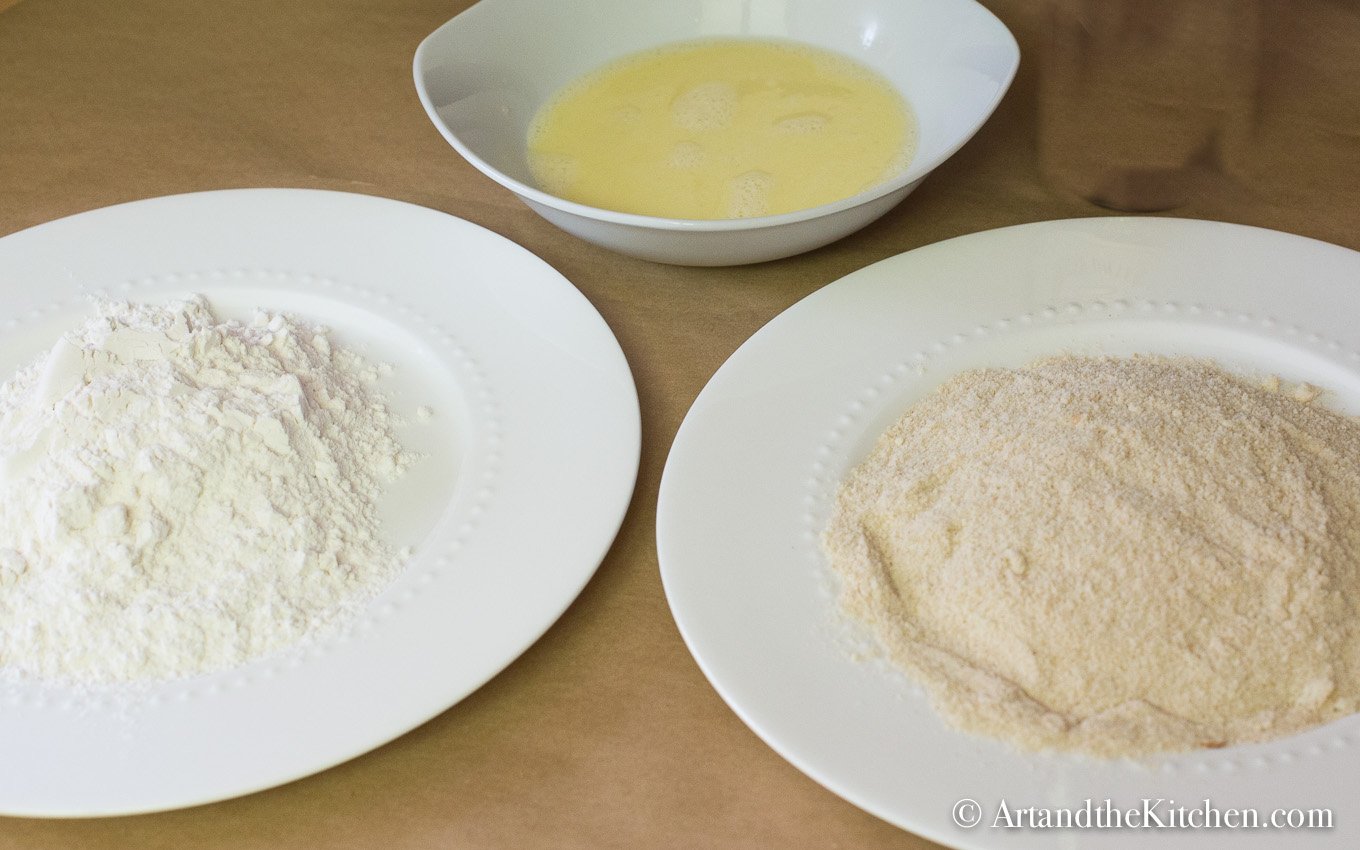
(604, 734)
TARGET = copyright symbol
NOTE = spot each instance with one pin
(967, 813)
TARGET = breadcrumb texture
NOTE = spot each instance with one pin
(1117, 556)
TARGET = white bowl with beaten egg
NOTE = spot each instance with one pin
(484, 75)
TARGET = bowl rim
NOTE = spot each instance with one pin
(915, 171)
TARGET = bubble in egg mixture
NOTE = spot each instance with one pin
(687, 155)
(748, 195)
(801, 125)
(705, 107)
(895, 166)
(556, 172)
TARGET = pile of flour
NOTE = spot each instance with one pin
(1113, 555)
(180, 494)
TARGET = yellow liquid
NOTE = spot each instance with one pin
(729, 128)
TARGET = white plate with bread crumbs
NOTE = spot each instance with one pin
(283, 474)
(1044, 528)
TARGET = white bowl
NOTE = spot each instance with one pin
(482, 76)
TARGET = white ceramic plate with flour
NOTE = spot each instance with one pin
(747, 489)
(525, 471)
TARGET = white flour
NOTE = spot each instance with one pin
(180, 494)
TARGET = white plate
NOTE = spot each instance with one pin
(529, 464)
(746, 491)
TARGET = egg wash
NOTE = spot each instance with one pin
(721, 128)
